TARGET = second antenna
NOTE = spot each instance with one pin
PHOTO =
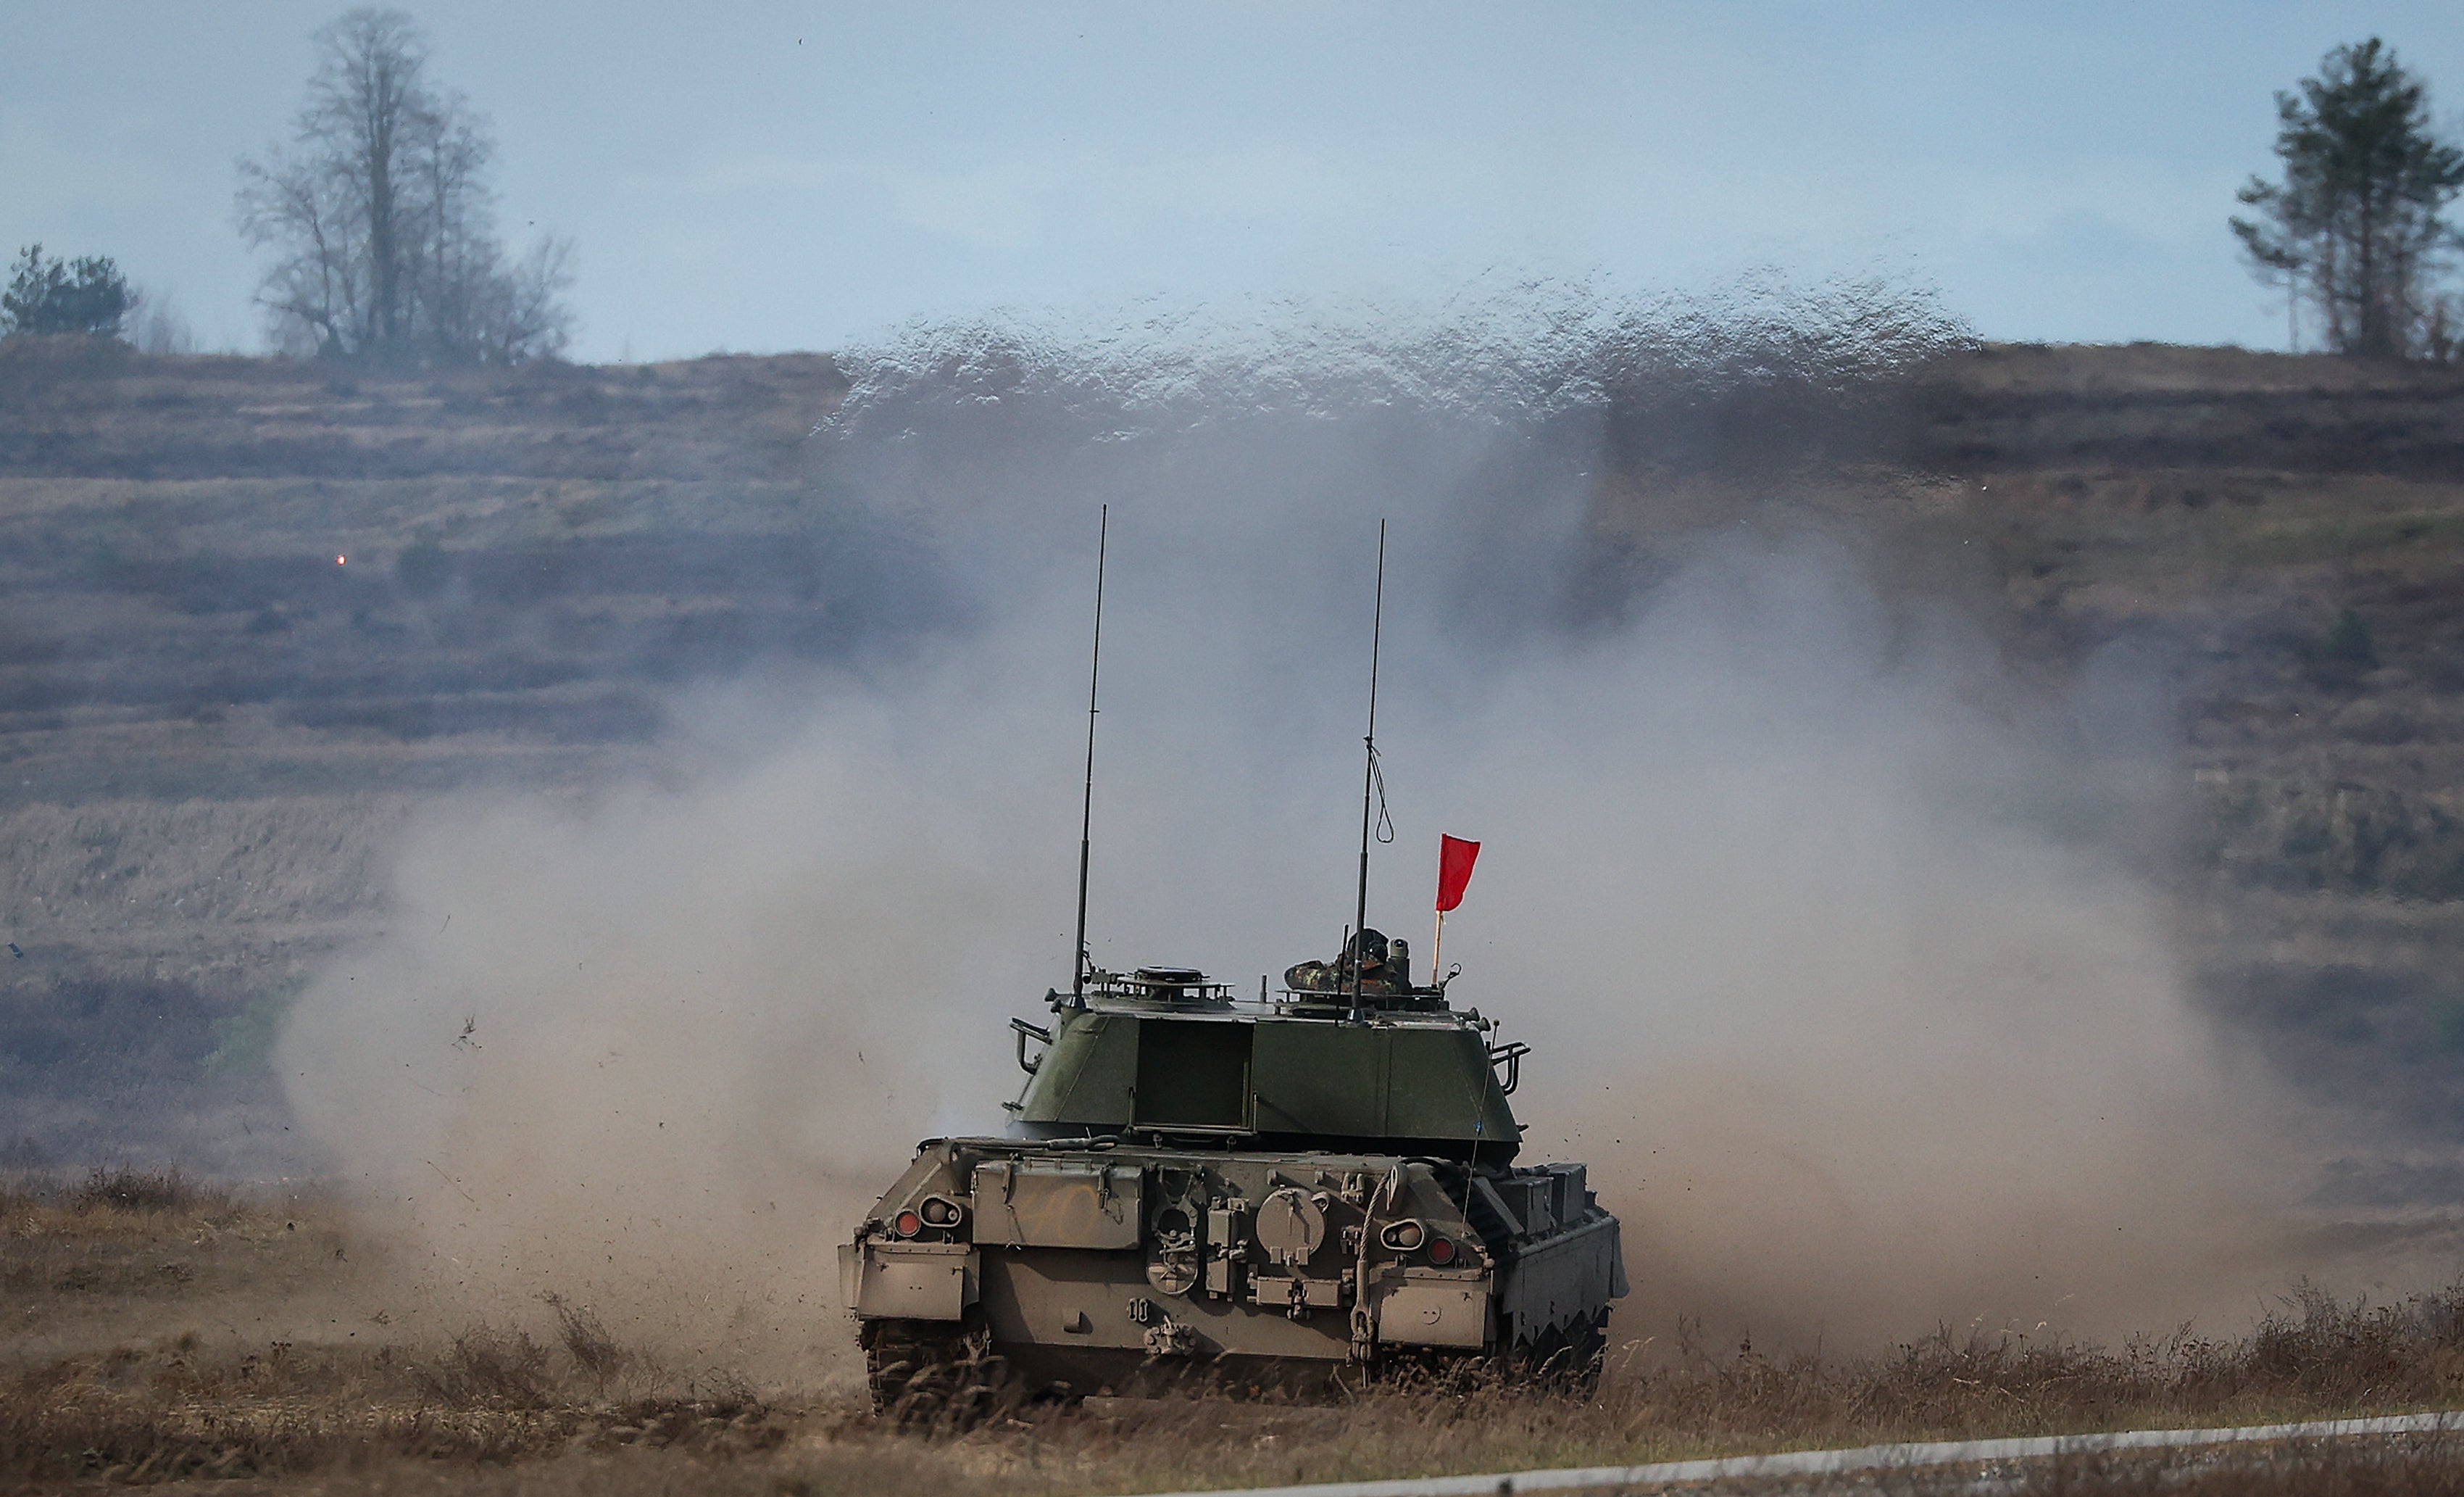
(1080, 960)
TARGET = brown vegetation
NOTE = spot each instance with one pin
(90, 408)
(562, 1404)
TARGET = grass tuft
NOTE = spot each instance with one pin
(488, 1367)
(586, 1339)
(125, 1189)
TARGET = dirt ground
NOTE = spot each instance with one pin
(188, 1339)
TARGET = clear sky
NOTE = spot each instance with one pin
(770, 175)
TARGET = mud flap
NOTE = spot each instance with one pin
(909, 1281)
(1434, 1312)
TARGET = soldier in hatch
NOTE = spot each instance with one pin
(1385, 969)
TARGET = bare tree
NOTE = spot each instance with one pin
(156, 324)
(383, 219)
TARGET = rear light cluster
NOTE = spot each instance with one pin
(1414, 1236)
(931, 1211)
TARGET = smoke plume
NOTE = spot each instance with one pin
(1851, 980)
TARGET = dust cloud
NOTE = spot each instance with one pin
(1851, 975)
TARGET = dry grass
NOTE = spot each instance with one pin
(490, 1397)
(121, 1232)
(570, 1408)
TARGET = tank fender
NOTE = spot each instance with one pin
(909, 1281)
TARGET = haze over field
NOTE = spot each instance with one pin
(1886, 750)
(1845, 935)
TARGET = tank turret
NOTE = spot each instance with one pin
(1136, 1057)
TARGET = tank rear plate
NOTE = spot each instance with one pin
(1058, 1203)
(1103, 1303)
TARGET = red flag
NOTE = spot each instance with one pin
(1455, 858)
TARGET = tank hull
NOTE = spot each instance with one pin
(1131, 1267)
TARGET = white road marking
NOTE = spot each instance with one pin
(1841, 1463)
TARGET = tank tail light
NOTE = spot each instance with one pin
(907, 1223)
(1404, 1236)
(941, 1211)
(1440, 1251)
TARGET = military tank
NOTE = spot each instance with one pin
(1281, 1190)
(1235, 1192)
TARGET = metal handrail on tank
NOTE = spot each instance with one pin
(1417, 1001)
(1167, 987)
(1510, 1055)
(1027, 1031)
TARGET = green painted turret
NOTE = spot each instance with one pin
(1164, 1052)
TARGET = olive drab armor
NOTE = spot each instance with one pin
(1197, 1186)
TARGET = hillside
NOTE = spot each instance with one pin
(2284, 532)
(250, 610)
(2289, 533)
(2282, 539)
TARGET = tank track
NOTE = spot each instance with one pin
(935, 1375)
(945, 1377)
(1571, 1361)
(1569, 1364)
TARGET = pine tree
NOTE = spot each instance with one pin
(52, 296)
(2356, 228)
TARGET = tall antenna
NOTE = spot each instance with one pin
(1078, 960)
(1368, 773)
